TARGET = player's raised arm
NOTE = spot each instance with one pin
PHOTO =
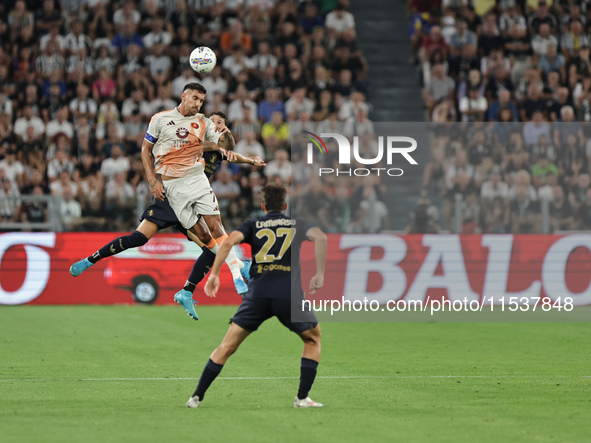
(213, 283)
(320, 248)
(255, 161)
(155, 184)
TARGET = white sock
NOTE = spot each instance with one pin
(234, 264)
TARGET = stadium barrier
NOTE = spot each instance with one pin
(34, 268)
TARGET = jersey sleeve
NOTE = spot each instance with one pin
(153, 132)
(302, 228)
(247, 229)
(210, 134)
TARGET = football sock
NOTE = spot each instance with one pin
(232, 260)
(134, 240)
(213, 246)
(210, 372)
(308, 371)
(200, 269)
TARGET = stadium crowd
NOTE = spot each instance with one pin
(79, 81)
(516, 75)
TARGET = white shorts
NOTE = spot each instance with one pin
(191, 197)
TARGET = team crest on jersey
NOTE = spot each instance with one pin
(182, 133)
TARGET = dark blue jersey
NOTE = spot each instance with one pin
(213, 160)
(275, 240)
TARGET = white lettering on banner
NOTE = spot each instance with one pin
(554, 268)
(360, 264)
(37, 267)
(345, 149)
(446, 249)
(497, 270)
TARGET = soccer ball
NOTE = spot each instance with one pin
(202, 59)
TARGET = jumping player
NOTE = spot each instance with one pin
(160, 215)
(275, 240)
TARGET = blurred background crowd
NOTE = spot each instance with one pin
(517, 75)
(80, 79)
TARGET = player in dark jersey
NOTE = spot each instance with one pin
(275, 240)
(159, 215)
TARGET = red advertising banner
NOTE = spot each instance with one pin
(385, 267)
(34, 268)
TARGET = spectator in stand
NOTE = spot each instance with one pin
(463, 37)
(13, 169)
(536, 19)
(533, 103)
(440, 87)
(424, 218)
(236, 108)
(280, 166)
(543, 40)
(503, 102)
(276, 129)
(61, 163)
(117, 163)
(541, 169)
(125, 37)
(490, 38)
(473, 107)
(64, 182)
(535, 128)
(28, 119)
(339, 21)
(560, 211)
(494, 187)
(214, 83)
(248, 124)
(10, 204)
(119, 200)
(60, 125)
(572, 42)
(225, 188)
(235, 37)
(70, 210)
(552, 61)
(525, 212)
(248, 146)
(270, 105)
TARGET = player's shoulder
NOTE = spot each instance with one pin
(162, 115)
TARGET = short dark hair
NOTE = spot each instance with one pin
(195, 87)
(274, 197)
(220, 114)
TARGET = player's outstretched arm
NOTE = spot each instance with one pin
(213, 283)
(255, 161)
(320, 248)
(211, 146)
(155, 185)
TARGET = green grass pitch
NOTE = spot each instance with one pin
(124, 373)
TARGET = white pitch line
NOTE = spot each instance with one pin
(325, 377)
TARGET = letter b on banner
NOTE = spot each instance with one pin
(37, 265)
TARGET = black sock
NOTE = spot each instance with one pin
(308, 371)
(210, 372)
(200, 269)
(134, 240)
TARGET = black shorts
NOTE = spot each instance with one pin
(162, 214)
(254, 311)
